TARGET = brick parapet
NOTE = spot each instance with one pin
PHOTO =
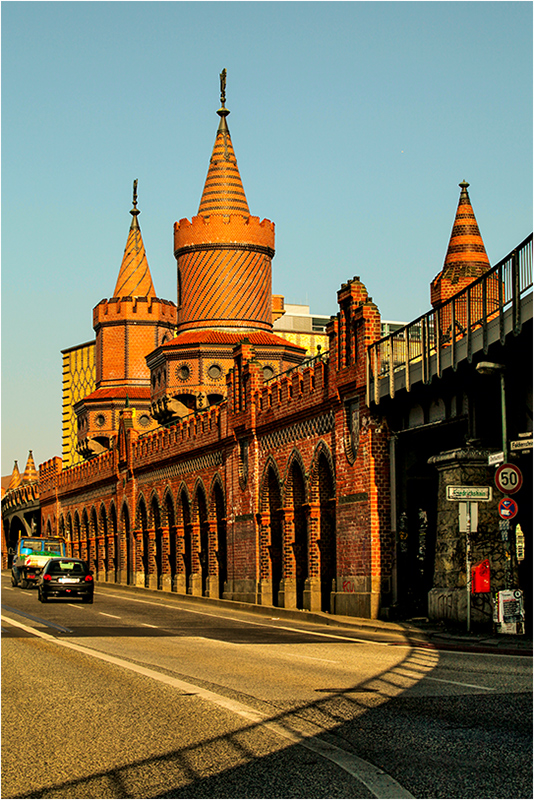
(138, 309)
(220, 229)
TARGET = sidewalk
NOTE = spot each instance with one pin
(416, 632)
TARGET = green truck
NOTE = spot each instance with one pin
(31, 556)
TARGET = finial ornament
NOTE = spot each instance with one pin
(222, 77)
(463, 184)
(135, 211)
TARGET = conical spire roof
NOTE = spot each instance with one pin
(30, 473)
(16, 480)
(466, 255)
(223, 191)
(134, 278)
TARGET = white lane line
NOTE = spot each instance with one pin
(72, 605)
(377, 781)
(103, 613)
(250, 622)
(312, 658)
(458, 683)
(148, 625)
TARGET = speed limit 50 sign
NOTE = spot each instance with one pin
(508, 478)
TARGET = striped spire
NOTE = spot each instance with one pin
(16, 480)
(466, 255)
(223, 191)
(30, 473)
(134, 278)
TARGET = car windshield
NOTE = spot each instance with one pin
(69, 567)
(31, 546)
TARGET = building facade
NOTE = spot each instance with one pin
(223, 451)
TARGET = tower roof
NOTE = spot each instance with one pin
(134, 278)
(466, 255)
(16, 480)
(223, 191)
(30, 473)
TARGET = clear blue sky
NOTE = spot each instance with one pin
(353, 123)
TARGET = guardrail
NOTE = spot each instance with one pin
(473, 308)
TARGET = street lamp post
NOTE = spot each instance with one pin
(490, 368)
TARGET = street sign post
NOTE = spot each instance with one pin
(508, 479)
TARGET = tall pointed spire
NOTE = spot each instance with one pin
(466, 255)
(466, 258)
(223, 191)
(16, 480)
(30, 473)
(134, 278)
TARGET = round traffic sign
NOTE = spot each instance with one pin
(507, 508)
(508, 479)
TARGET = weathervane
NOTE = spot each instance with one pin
(222, 76)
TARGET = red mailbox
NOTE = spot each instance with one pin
(480, 577)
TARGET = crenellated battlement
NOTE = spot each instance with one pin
(220, 229)
(48, 474)
(294, 391)
(150, 309)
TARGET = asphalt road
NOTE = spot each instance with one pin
(157, 696)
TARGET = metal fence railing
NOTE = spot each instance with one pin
(473, 308)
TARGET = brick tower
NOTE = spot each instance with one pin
(466, 258)
(128, 326)
(224, 292)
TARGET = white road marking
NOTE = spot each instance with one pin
(103, 613)
(148, 625)
(377, 781)
(80, 608)
(250, 622)
(458, 683)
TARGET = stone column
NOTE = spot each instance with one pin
(196, 569)
(265, 589)
(312, 585)
(166, 579)
(287, 596)
(467, 466)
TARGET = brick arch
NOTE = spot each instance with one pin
(126, 556)
(198, 487)
(76, 535)
(271, 532)
(103, 542)
(168, 503)
(321, 449)
(322, 524)
(200, 549)
(154, 510)
(219, 545)
(264, 493)
(295, 458)
(296, 555)
(93, 540)
(84, 535)
(184, 556)
(68, 527)
(142, 541)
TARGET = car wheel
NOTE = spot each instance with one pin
(42, 597)
(87, 599)
(24, 584)
(13, 581)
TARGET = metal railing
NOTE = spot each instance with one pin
(472, 309)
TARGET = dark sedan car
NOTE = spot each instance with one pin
(66, 577)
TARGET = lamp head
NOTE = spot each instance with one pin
(489, 368)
